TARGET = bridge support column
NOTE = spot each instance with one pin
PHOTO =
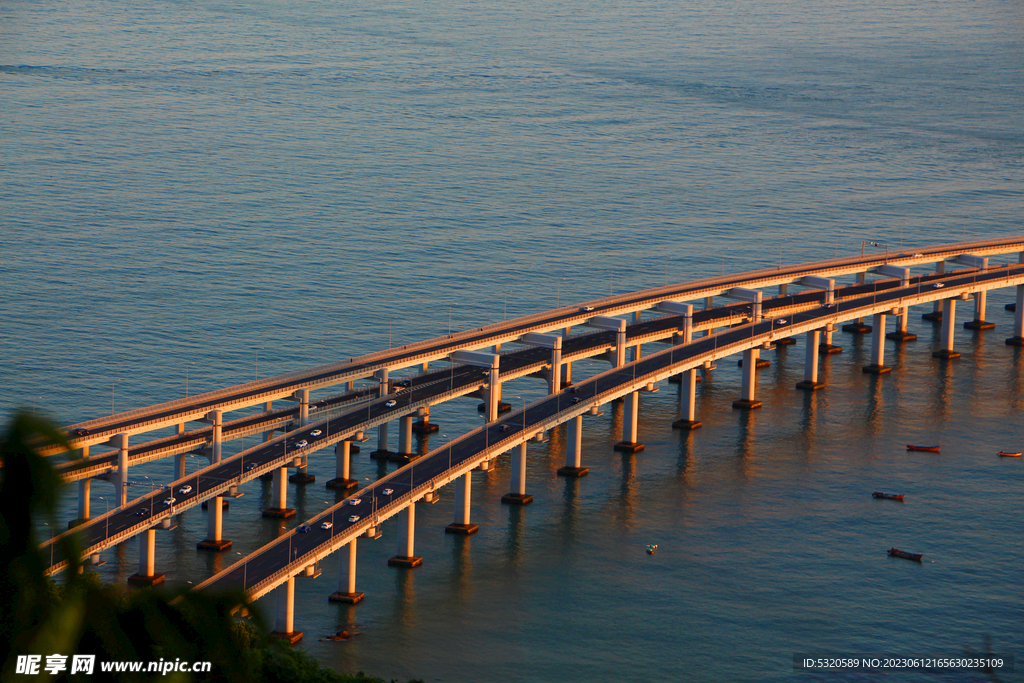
(463, 497)
(406, 556)
(147, 575)
(747, 389)
(936, 314)
(214, 527)
(382, 452)
(302, 475)
(493, 395)
(573, 450)
(342, 464)
(948, 322)
(179, 466)
(84, 495)
(216, 420)
(810, 381)
(555, 383)
(878, 366)
(688, 401)
(404, 438)
(302, 396)
(424, 426)
(284, 627)
(858, 326)
(1018, 318)
(121, 441)
(827, 347)
(900, 334)
(518, 495)
(979, 322)
(280, 496)
(630, 412)
(568, 374)
(347, 578)
(620, 348)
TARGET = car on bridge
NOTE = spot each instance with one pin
(354, 518)
(251, 466)
(142, 513)
(355, 501)
(326, 525)
(185, 489)
(388, 492)
(315, 433)
(302, 444)
(939, 285)
(392, 403)
(586, 309)
(303, 528)
(575, 400)
(503, 428)
(81, 431)
(171, 501)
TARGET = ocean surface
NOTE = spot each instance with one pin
(197, 193)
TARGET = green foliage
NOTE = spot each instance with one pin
(83, 616)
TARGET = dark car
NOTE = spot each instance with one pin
(303, 528)
(503, 428)
(576, 400)
(81, 431)
(574, 390)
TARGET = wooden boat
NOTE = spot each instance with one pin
(896, 552)
(652, 548)
(887, 496)
(1004, 454)
(929, 449)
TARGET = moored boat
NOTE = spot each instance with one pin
(929, 449)
(1004, 454)
(896, 552)
(887, 496)
(652, 548)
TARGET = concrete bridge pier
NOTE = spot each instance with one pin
(688, 401)
(302, 475)
(900, 334)
(936, 314)
(214, 527)
(1018, 318)
(630, 412)
(517, 495)
(424, 426)
(404, 438)
(120, 442)
(979, 322)
(858, 326)
(878, 366)
(347, 579)
(810, 381)
(382, 452)
(573, 450)
(948, 321)
(567, 381)
(302, 396)
(179, 466)
(827, 347)
(147, 575)
(463, 497)
(84, 495)
(555, 383)
(748, 386)
(284, 627)
(406, 556)
(342, 466)
(216, 419)
(280, 496)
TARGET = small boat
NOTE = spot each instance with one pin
(896, 552)
(929, 449)
(887, 496)
(1004, 454)
(651, 548)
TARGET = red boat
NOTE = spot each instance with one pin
(896, 552)
(929, 449)
(1004, 454)
(887, 496)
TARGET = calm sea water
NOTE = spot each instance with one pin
(198, 193)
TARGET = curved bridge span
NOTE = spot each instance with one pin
(755, 325)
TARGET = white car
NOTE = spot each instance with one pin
(170, 501)
(326, 525)
(939, 285)
(586, 309)
(302, 444)
(388, 492)
(392, 403)
(781, 322)
(185, 489)
(315, 432)
(917, 256)
(355, 501)
(354, 518)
